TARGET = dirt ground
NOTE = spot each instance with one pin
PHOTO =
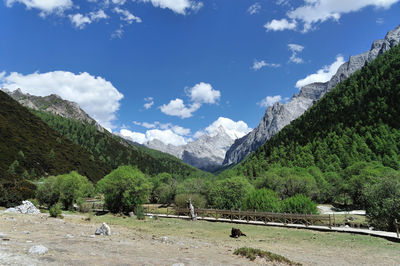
(71, 241)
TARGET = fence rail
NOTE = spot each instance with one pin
(265, 217)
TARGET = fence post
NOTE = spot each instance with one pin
(330, 223)
(216, 214)
(397, 227)
(334, 220)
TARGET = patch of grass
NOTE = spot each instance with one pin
(253, 253)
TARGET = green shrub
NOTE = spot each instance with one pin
(124, 188)
(139, 212)
(72, 187)
(382, 202)
(66, 189)
(299, 204)
(48, 192)
(262, 200)
(55, 210)
(198, 200)
(229, 193)
(35, 202)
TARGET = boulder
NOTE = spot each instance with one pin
(27, 207)
(103, 230)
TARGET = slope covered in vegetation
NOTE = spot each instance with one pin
(356, 121)
(115, 151)
(30, 148)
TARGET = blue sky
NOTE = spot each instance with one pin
(174, 69)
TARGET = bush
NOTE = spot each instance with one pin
(299, 204)
(55, 210)
(253, 253)
(124, 189)
(229, 193)
(198, 200)
(139, 212)
(35, 202)
(382, 202)
(48, 192)
(66, 189)
(262, 200)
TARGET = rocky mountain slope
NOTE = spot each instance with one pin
(280, 115)
(206, 153)
(53, 104)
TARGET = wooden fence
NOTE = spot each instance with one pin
(265, 217)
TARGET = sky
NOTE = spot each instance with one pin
(177, 69)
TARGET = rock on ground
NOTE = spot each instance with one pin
(103, 230)
(27, 207)
(39, 249)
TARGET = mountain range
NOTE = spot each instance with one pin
(280, 115)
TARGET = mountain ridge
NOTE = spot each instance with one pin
(280, 115)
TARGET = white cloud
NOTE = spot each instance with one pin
(127, 16)
(97, 96)
(80, 21)
(199, 94)
(167, 133)
(295, 49)
(280, 25)
(318, 11)
(380, 21)
(203, 93)
(269, 101)
(323, 75)
(45, 6)
(118, 33)
(178, 108)
(257, 65)
(234, 129)
(149, 103)
(254, 8)
(119, 2)
(177, 6)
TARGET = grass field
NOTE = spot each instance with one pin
(308, 247)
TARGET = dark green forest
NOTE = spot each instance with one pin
(115, 151)
(31, 149)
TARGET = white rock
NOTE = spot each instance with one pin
(40, 250)
(103, 230)
(27, 207)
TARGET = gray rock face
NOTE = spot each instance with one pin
(26, 208)
(53, 104)
(206, 153)
(280, 115)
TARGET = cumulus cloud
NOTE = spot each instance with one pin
(80, 21)
(45, 7)
(280, 25)
(126, 16)
(323, 75)
(257, 65)
(254, 9)
(269, 101)
(295, 49)
(178, 108)
(199, 94)
(318, 11)
(167, 133)
(178, 6)
(203, 93)
(149, 102)
(234, 129)
(97, 96)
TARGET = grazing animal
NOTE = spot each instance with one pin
(236, 233)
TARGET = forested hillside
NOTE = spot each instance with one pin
(115, 151)
(30, 148)
(356, 121)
